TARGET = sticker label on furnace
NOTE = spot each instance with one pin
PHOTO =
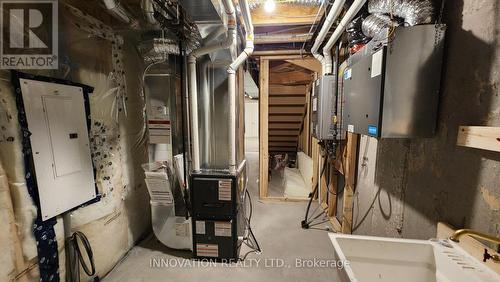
(223, 228)
(225, 190)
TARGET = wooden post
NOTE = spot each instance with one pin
(332, 197)
(315, 158)
(263, 128)
(350, 179)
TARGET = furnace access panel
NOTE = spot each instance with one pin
(393, 91)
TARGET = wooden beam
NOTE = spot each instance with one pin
(278, 52)
(285, 14)
(479, 137)
(282, 38)
(283, 57)
(263, 128)
(310, 64)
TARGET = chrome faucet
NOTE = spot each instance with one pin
(461, 232)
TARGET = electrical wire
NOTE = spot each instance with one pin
(249, 238)
(305, 223)
(75, 257)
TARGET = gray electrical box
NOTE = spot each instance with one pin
(392, 91)
(324, 103)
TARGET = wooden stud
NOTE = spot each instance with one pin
(479, 137)
(332, 197)
(263, 129)
(350, 179)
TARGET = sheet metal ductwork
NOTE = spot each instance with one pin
(413, 12)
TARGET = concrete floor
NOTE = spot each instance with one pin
(277, 228)
(275, 187)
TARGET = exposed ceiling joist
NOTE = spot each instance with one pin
(285, 14)
(282, 38)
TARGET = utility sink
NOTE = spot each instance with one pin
(388, 259)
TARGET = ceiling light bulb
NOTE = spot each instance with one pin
(269, 6)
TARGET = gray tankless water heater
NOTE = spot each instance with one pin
(324, 101)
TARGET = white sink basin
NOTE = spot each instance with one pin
(387, 259)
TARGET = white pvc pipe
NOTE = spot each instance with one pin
(148, 10)
(231, 70)
(332, 16)
(193, 91)
(117, 10)
(349, 15)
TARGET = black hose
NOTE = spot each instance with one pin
(76, 257)
(305, 223)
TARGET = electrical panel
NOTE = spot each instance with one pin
(217, 216)
(324, 101)
(392, 92)
(60, 144)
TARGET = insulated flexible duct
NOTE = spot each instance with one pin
(413, 12)
(374, 24)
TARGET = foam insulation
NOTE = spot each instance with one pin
(90, 54)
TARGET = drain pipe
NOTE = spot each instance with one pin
(148, 10)
(231, 70)
(193, 91)
(332, 16)
(119, 12)
(349, 15)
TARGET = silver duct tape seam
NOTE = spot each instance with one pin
(412, 11)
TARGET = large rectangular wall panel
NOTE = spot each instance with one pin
(60, 144)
